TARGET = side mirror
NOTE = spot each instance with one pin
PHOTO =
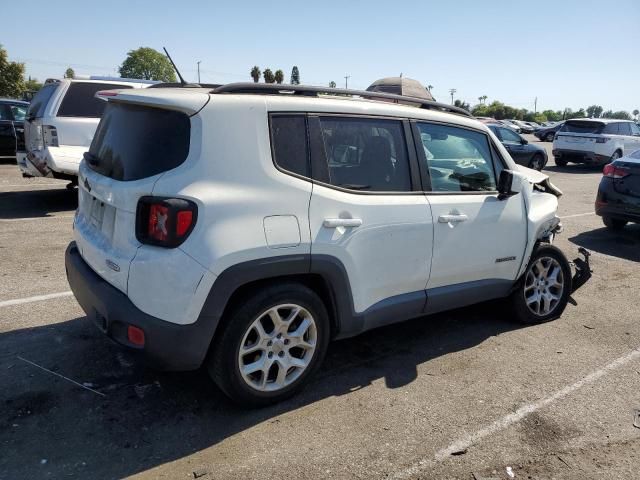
(524, 141)
(505, 183)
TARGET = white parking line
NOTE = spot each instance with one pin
(578, 215)
(37, 298)
(33, 185)
(467, 441)
(30, 219)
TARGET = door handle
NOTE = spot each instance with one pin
(342, 222)
(461, 217)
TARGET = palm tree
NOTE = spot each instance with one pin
(279, 76)
(635, 113)
(268, 75)
(429, 87)
(332, 84)
(255, 74)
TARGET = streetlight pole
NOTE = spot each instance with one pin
(452, 91)
(199, 70)
(346, 81)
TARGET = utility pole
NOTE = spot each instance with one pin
(535, 106)
(199, 70)
(452, 91)
(346, 81)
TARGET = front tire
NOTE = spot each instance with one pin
(543, 292)
(549, 137)
(614, 223)
(270, 345)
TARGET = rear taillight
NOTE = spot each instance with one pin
(602, 139)
(613, 171)
(165, 222)
(50, 136)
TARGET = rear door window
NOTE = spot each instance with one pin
(80, 101)
(134, 142)
(509, 136)
(611, 129)
(40, 100)
(19, 112)
(365, 154)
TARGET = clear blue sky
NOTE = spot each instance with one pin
(568, 53)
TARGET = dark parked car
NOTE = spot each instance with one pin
(618, 200)
(546, 134)
(521, 150)
(12, 113)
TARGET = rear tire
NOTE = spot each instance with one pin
(616, 155)
(549, 137)
(561, 162)
(284, 333)
(543, 291)
(614, 223)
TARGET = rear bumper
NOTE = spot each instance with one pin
(168, 346)
(580, 156)
(610, 203)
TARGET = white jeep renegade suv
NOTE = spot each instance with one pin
(244, 227)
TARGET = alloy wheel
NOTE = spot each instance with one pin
(277, 347)
(543, 286)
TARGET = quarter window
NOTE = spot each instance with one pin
(289, 143)
(509, 136)
(611, 129)
(366, 154)
(625, 128)
(458, 160)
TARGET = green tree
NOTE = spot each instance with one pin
(279, 76)
(268, 75)
(11, 76)
(32, 85)
(332, 84)
(295, 76)
(552, 116)
(256, 73)
(619, 115)
(148, 64)
(594, 111)
(636, 112)
(462, 104)
(69, 73)
(429, 87)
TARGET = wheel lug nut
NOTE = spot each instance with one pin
(270, 354)
(269, 343)
(281, 354)
(279, 335)
(286, 341)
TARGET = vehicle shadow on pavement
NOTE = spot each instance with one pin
(623, 244)
(578, 168)
(52, 428)
(37, 203)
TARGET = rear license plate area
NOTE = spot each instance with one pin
(96, 214)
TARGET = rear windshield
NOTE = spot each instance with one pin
(80, 101)
(134, 142)
(40, 100)
(583, 127)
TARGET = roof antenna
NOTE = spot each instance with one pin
(182, 82)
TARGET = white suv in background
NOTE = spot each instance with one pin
(595, 141)
(246, 226)
(60, 124)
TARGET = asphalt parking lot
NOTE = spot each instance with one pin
(464, 394)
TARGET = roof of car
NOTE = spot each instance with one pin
(601, 120)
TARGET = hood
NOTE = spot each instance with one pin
(539, 179)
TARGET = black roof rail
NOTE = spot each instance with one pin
(310, 91)
(187, 85)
